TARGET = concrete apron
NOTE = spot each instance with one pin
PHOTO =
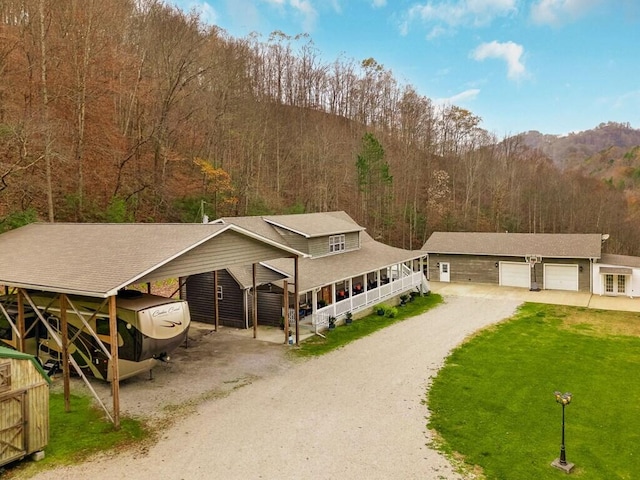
(553, 297)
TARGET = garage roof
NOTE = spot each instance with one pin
(99, 259)
(550, 245)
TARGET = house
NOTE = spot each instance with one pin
(345, 270)
(528, 260)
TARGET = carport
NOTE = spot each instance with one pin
(98, 260)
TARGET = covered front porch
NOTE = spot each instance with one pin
(360, 292)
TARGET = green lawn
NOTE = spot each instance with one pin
(75, 435)
(364, 326)
(493, 403)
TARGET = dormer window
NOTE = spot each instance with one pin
(337, 243)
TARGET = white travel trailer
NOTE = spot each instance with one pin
(149, 327)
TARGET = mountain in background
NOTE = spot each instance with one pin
(613, 140)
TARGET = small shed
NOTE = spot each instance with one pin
(24, 405)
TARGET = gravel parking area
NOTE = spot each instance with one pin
(352, 414)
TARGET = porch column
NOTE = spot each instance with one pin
(421, 274)
(351, 294)
(115, 367)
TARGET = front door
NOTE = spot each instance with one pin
(444, 272)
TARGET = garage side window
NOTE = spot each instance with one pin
(220, 292)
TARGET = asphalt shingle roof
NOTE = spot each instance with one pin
(550, 245)
(94, 259)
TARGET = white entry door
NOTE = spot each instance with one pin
(444, 272)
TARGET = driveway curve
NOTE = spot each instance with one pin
(355, 413)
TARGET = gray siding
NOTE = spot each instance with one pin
(319, 246)
(226, 250)
(482, 269)
(199, 294)
(298, 242)
(231, 307)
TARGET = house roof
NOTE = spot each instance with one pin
(99, 259)
(6, 352)
(553, 245)
(372, 255)
(308, 225)
(621, 260)
(316, 224)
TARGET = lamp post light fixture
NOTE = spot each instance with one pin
(563, 399)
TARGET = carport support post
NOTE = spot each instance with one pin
(286, 312)
(115, 367)
(64, 333)
(21, 326)
(215, 300)
(254, 315)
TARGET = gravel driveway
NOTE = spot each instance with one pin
(356, 413)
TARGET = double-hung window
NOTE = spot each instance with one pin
(336, 243)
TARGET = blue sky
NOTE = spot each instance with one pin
(556, 66)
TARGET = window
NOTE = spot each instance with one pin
(336, 243)
(220, 292)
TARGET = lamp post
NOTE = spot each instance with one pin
(563, 399)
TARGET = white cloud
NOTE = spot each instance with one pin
(509, 52)
(467, 95)
(462, 12)
(379, 3)
(554, 12)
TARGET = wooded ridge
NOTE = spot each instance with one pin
(133, 111)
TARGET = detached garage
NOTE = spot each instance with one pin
(535, 261)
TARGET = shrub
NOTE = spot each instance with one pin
(380, 309)
(391, 312)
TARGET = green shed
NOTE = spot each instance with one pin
(24, 405)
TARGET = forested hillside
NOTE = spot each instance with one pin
(129, 110)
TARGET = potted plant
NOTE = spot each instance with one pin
(380, 309)
(332, 322)
(403, 299)
(348, 318)
(321, 303)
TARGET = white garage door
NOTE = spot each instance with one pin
(515, 274)
(561, 277)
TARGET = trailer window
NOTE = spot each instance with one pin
(102, 326)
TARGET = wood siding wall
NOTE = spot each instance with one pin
(482, 269)
(24, 416)
(200, 295)
(294, 240)
(226, 250)
(269, 308)
(319, 246)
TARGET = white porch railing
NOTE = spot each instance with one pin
(356, 303)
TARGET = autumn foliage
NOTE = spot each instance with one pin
(131, 110)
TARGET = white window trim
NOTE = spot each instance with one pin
(337, 243)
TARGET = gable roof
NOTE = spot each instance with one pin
(318, 272)
(550, 245)
(308, 225)
(621, 260)
(6, 352)
(316, 224)
(99, 259)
